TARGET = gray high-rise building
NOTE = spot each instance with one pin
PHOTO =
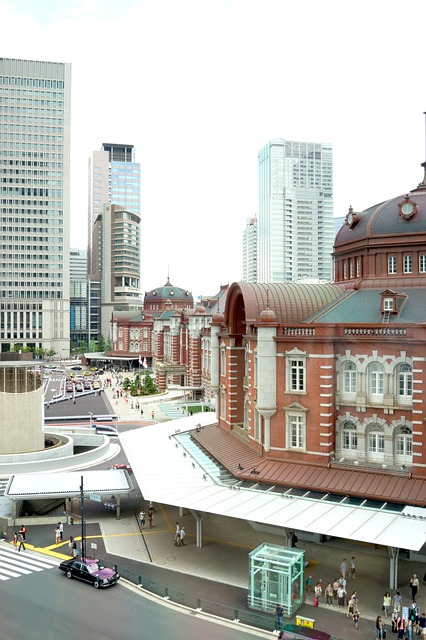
(250, 251)
(35, 102)
(114, 178)
(295, 219)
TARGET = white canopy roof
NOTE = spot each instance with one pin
(169, 474)
(67, 484)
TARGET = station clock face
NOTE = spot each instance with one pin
(407, 209)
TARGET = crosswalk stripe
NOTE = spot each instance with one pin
(12, 573)
(20, 563)
(32, 560)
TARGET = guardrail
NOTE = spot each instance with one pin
(251, 618)
(109, 417)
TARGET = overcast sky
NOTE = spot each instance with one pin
(199, 86)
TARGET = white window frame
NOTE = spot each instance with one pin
(223, 361)
(404, 381)
(408, 263)
(388, 304)
(349, 437)
(296, 430)
(376, 382)
(375, 444)
(349, 379)
(422, 263)
(392, 264)
(403, 446)
(295, 373)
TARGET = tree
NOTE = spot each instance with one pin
(101, 344)
(92, 346)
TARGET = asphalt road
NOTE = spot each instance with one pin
(47, 606)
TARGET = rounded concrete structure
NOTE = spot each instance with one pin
(21, 407)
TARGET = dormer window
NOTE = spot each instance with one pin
(388, 304)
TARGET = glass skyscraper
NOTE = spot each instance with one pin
(35, 115)
(295, 221)
(114, 243)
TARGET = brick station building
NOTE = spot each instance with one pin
(323, 386)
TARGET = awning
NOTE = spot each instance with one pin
(33, 486)
(169, 473)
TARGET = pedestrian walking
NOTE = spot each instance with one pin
(318, 589)
(387, 601)
(15, 541)
(21, 541)
(343, 567)
(73, 547)
(142, 520)
(400, 627)
(341, 595)
(309, 584)
(329, 595)
(150, 516)
(152, 414)
(421, 625)
(380, 633)
(352, 568)
(182, 533)
(414, 585)
(335, 587)
(141, 412)
(176, 536)
(61, 530)
(57, 535)
(413, 616)
(279, 612)
(23, 532)
(355, 618)
(397, 601)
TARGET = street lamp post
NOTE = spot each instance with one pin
(83, 525)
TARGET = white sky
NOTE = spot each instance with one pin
(199, 86)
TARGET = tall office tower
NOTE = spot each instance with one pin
(78, 264)
(295, 225)
(117, 249)
(114, 178)
(35, 100)
(250, 251)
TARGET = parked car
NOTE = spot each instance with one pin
(86, 384)
(92, 571)
(105, 429)
(79, 387)
(126, 467)
(96, 384)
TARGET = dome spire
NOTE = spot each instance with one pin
(422, 185)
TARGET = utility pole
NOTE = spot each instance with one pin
(83, 525)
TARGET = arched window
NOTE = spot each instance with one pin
(405, 383)
(403, 443)
(376, 381)
(349, 436)
(349, 378)
(375, 442)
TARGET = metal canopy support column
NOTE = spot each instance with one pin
(118, 512)
(393, 567)
(198, 516)
(288, 535)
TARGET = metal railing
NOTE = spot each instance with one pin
(253, 619)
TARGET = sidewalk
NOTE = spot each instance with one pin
(218, 571)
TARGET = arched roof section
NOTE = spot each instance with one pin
(291, 302)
